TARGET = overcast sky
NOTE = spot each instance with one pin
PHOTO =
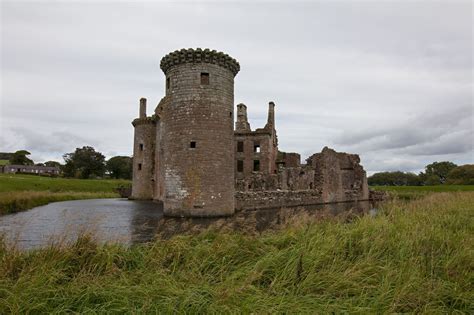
(389, 80)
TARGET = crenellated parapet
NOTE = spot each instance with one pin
(144, 121)
(199, 55)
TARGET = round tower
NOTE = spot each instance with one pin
(143, 154)
(196, 133)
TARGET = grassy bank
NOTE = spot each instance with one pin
(22, 192)
(11, 202)
(412, 192)
(413, 257)
(9, 182)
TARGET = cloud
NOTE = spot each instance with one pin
(391, 81)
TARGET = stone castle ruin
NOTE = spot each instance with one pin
(189, 156)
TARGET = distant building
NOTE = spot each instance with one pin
(31, 169)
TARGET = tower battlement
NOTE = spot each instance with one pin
(199, 55)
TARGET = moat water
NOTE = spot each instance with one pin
(131, 222)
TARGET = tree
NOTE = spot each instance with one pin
(20, 158)
(437, 172)
(52, 164)
(461, 175)
(394, 179)
(120, 167)
(85, 162)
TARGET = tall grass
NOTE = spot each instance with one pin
(412, 257)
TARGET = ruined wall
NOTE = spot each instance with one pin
(288, 159)
(329, 176)
(276, 199)
(143, 155)
(256, 151)
(197, 133)
(296, 178)
(250, 155)
(339, 176)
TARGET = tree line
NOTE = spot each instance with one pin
(83, 163)
(436, 173)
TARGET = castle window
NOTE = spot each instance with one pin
(204, 78)
(256, 165)
(256, 147)
(139, 166)
(192, 145)
(168, 83)
(141, 146)
(240, 166)
(240, 146)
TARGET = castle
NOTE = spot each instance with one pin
(189, 156)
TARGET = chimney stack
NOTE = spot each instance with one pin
(142, 108)
(271, 116)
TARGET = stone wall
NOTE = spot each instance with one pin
(249, 156)
(288, 159)
(276, 199)
(339, 176)
(255, 151)
(296, 178)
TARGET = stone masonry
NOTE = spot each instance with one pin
(189, 156)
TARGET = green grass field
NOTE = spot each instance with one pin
(22, 192)
(414, 256)
(13, 182)
(411, 192)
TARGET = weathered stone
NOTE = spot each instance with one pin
(189, 156)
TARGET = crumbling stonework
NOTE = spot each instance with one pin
(189, 156)
(339, 175)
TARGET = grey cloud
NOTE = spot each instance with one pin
(391, 81)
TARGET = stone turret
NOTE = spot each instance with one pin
(242, 124)
(197, 160)
(143, 154)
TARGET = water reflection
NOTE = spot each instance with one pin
(258, 221)
(130, 222)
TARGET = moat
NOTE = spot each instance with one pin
(131, 222)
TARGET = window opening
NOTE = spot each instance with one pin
(204, 78)
(256, 147)
(240, 166)
(240, 146)
(256, 165)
